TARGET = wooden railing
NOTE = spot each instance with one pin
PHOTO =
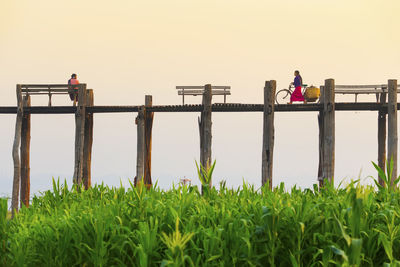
(362, 89)
(199, 90)
(50, 90)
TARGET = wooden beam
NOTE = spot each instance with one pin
(392, 126)
(369, 86)
(328, 168)
(88, 141)
(15, 153)
(231, 107)
(184, 92)
(25, 153)
(321, 140)
(140, 146)
(268, 133)
(79, 134)
(205, 129)
(221, 87)
(148, 127)
(44, 86)
(382, 135)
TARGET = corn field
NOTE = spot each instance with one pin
(352, 226)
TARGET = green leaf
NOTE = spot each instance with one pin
(340, 252)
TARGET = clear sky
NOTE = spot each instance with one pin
(126, 49)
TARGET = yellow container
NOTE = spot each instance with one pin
(312, 93)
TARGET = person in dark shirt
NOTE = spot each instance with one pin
(297, 95)
(73, 81)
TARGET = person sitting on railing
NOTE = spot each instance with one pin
(73, 81)
(297, 95)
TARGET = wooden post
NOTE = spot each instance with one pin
(328, 167)
(79, 134)
(148, 126)
(382, 135)
(88, 142)
(321, 140)
(25, 153)
(75, 96)
(224, 95)
(15, 152)
(205, 129)
(268, 133)
(49, 104)
(392, 126)
(140, 146)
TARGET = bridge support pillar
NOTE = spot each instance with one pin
(148, 127)
(327, 134)
(140, 146)
(268, 133)
(25, 153)
(321, 139)
(392, 126)
(88, 142)
(15, 152)
(382, 135)
(205, 126)
(80, 119)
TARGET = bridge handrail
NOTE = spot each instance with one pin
(360, 89)
(26, 86)
(195, 90)
(202, 87)
(38, 89)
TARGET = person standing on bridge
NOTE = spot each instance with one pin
(297, 95)
(73, 81)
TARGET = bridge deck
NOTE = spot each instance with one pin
(197, 108)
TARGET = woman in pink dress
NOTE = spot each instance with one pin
(297, 95)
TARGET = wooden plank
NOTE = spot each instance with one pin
(148, 127)
(230, 107)
(79, 134)
(25, 153)
(113, 109)
(140, 146)
(328, 168)
(202, 87)
(358, 86)
(45, 91)
(200, 92)
(360, 92)
(268, 133)
(46, 86)
(15, 153)
(382, 135)
(8, 110)
(321, 141)
(362, 86)
(392, 126)
(205, 130)
(88, 142)
(51, 110)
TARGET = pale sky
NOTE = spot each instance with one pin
(126, 49)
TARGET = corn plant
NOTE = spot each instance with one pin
(353, 225)
(205, 174)
(390, 183)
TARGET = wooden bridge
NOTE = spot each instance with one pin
(85, 108)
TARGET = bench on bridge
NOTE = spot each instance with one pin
(356, 90)
(199, 90)
(50, 90)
